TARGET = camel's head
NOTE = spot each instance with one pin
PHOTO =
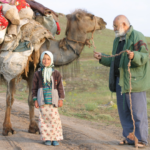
(85, 22)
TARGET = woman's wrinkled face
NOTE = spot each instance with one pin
(46, 60)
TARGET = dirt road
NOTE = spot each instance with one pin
(78, 134)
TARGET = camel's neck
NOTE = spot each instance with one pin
(64, 57)
(76, 38)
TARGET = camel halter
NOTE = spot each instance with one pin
(87, 41)
(131, 136)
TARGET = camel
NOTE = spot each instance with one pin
(65, 51)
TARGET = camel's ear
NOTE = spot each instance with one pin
(78, 16)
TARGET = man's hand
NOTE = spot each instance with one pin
(60, 103)
(36, 104)
(130, 54)
(97, 55)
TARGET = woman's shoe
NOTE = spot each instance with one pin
(48, 143)
(55, 143)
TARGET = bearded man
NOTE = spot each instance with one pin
(134, 42)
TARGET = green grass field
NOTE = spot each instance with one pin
(103, 40)
(87, 94)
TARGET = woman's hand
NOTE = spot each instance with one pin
(36, 104)
(60, 103)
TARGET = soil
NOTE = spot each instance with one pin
(78, 134)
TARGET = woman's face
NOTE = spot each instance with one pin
(46, 60)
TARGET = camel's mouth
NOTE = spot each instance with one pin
(102, 24)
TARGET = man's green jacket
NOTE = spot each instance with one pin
(140, 69)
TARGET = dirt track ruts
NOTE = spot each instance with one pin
(78, 134)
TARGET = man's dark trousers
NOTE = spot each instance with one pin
(139, 107)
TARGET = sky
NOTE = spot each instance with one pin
(137, 11)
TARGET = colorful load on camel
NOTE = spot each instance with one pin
(24, 26)
(3, 25)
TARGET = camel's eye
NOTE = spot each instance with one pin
(92, 17)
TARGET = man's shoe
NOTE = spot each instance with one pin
(141, 145)
(55, 143)
(48, 143)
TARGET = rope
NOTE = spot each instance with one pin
(131, 136)
(87, 42)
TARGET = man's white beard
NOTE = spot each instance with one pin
(120, 32)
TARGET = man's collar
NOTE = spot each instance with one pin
(129, 31)
(122, 38)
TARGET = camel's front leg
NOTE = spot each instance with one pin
(7, 127)
(33, 127)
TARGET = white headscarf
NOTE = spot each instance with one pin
(47, 71)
